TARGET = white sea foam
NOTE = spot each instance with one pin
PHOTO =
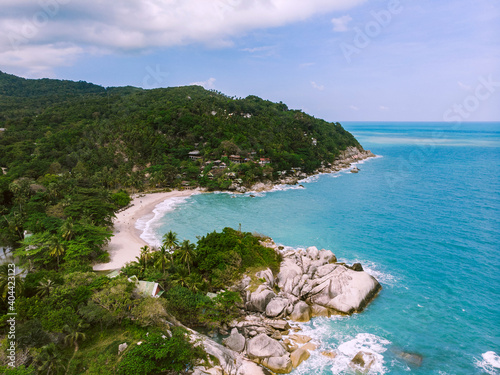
(149, 223)
(346, 350)
(490, 363)
(365, 342)
(313, 178)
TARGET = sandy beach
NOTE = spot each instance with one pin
(126, 241)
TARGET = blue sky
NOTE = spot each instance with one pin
(341, 60)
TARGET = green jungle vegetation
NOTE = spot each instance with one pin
(71, 154)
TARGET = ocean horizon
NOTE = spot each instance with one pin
(422, 217)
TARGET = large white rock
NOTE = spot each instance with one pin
(230, 361)
(267, 275)
(324, 270)
(289, 275)
(276, 306)
(301, 312)
(260, 298)
(346, 291)
(313, 252)
(278, 365)
(298, 356)
(262, 346)
(236, 341)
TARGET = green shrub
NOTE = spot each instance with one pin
(156, 354)
(121, 198)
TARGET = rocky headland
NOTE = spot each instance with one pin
(343, 161)
(265, 339)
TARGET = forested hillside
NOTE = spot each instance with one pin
(70, 155)
(129, 137)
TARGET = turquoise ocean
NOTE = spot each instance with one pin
(423, 218)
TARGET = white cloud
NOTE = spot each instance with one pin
(383, 108)
(38, 61)
(258, 49)
(306, 65)
(316, 86)
(208, 84)
(124, 25)
(340, 24)
(354, 108)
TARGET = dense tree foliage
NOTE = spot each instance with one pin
(70, 155)
(127, 137)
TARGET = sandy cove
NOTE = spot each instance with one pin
(126, 242)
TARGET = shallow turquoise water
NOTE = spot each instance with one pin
(423, 218)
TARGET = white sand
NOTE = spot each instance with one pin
(126, 243)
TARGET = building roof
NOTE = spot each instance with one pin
(146, 288)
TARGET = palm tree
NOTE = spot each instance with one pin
(195, 282)
(145, 255)
(181, 277)
(49, 360)
(74, 335)
(67, 230)
(163, 257)
(186, 253)
(56, 248)
(44, 288)
(170, 241)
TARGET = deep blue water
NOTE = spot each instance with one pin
(424, 219)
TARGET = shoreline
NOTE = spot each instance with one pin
(126, 242)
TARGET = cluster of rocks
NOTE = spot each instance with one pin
(310, 283)
(343, 161)
(346, 158)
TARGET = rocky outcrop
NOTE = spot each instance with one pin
(227, 361)
(310, 283)
(293, 176)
